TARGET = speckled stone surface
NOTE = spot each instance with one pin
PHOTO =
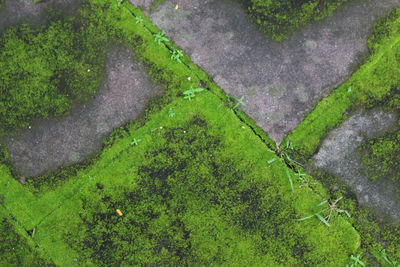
(338, 155)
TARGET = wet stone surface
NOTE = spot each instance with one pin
(52, 143)
(25, 11)
(338, 155)
(281, 82)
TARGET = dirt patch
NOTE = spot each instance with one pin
(338, 155)
(53, 143)
(25, 11)
(281, 82)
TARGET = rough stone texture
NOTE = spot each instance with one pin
(52, 143)
(338, 155)
(146, 4)
(25, 11)
(281, 82)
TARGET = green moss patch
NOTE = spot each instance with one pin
(380, 244)
(15, 247)
(193, 190)
(43, 71)
(381, 157)
(281, 17)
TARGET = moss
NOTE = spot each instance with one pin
(380, 157)
(188, 194)
(155, 4)
(162, 232)
(53, 180)
(384, 30)
(280, 18)
(376, 233)
(4, 154)
(15, 250)
(372, 84)
(46, 69)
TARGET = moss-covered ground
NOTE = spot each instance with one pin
(194, 182)
(280, 18)
(16, 247)
(381, 157)
(45, 70)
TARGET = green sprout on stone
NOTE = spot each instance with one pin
(239, 102)
(326, 214)
(387, 259)
(135, 142)
(139, 20)
(171, 113)
(160, 38)
(177, 55)
(355, 261)
(191, 93)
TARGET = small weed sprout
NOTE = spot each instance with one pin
(171, 113)
(387, 259)
(355, 261)
(139, 20)
(160, 38)
(290, 179)
(326, 214)
(191, 93)
(177, 55)
(282, 153)
(239, 102)
(302, 177)
(135, 142)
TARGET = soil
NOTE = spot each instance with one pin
(339, 156)
(280, 81)
(52, 143)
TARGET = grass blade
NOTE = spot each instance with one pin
(323, 203)
(322, 219)
(304, 218)
(290, 179)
